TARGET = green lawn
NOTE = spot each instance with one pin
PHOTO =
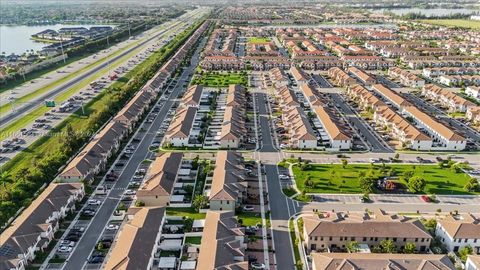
(455, 23)
(258, 40)
(194, 240)
(185, 212)
(328, 178)
(214, 79)
(250, 218)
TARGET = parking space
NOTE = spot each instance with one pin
(320, 81)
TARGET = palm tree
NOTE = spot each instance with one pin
(5, 178)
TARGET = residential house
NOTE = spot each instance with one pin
(178, 133)
(362, 76)
(229, 186)
(390, 95)
(456, 232)
(300, 131)
(157, 186)
(335, 230)
(138, 240)
(223, 243)
(35, 227)
(375, 261)
(337, 138)
(452, 101)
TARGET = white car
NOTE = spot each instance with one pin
(130, 192)
(67, 243)
(112, 227)
(248, 208)
(283, 177)
(94, 202)
(64, 249)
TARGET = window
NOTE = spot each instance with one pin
(330, 238)
(404, 239)
(416, 239)
(364, 239)
(353, 238)
(321, 238)
(341, 238)
(316, 238)
(394, 239)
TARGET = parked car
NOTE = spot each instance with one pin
(112, 227)
(248, 208)
(94, 202)
(64, 249)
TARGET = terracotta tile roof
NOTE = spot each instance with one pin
(228, 178)
(468, 227)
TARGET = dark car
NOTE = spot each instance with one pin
(96, 259)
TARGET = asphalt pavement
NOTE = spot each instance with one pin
(363, 129)
(278, 203)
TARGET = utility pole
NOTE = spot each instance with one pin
(63, 53)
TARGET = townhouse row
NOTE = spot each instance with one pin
(227, 132)
(33, 230)
(406, 78)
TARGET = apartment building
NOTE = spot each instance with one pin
(402, 130)
(406, 78)
(223, 243)
(366, 99)
(300, 132)
(457, 232)
(229, 185)
(334, 231)
(311, 96)
(391, 96)
(35, 227)
(473, 91)
(337, 138)
(278, 77)
(443, 137)
(93, 158)
(159, 181)
(286, 98)
(192, 96)
(459, 80)
(362, 76)
(473, 114)
(299, 75)
(233, 128)
(178, 133)
(375, 261)
(340, 77)
(138, 240)
(472, 263)
(446, 98)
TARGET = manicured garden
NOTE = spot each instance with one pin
(254, 40)
(339, 178)
(220, 79)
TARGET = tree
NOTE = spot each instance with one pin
(5, 178)
(367, 184)
(353, 246)
(199, 202)
(456, 168)
(417, 184)
(409, 248)
(139, 203)
(344, 162)
(472, 185)
(407, 175)
(464, 252)
(388, 246)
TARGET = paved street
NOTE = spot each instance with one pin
(278, 202)
(372, 139)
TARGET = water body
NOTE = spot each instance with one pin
(428, 12)
(16, 39)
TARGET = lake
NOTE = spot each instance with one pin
(428, 12)
(16, 39)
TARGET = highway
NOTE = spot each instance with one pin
(57, 90)
(80, 254)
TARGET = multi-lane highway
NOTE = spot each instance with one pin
(36, 102)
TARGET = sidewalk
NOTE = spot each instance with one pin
(395, 198)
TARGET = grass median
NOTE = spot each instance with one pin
(18, 124)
